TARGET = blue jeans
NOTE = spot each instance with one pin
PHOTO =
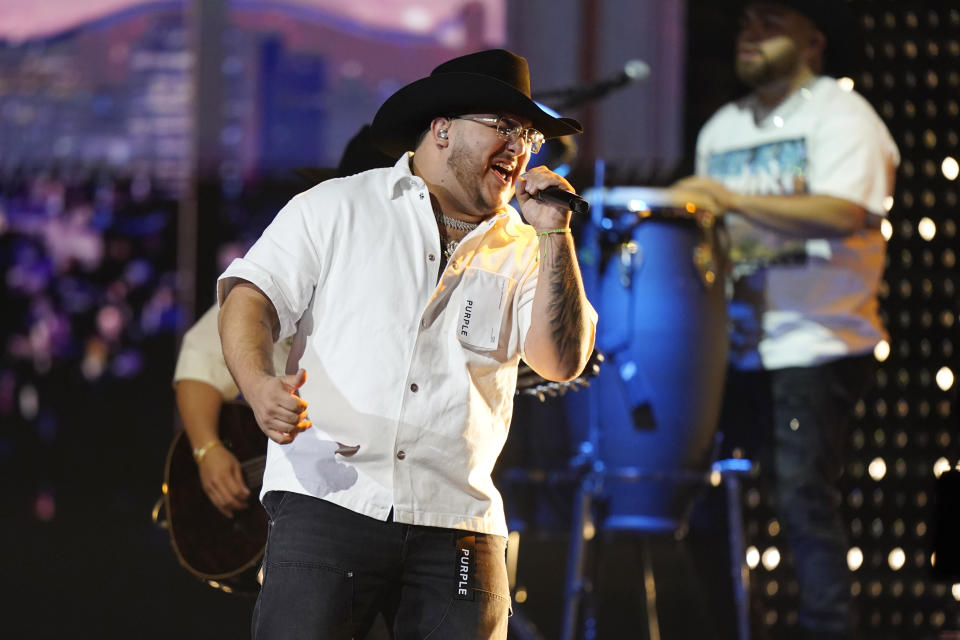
(329, 571)
(794, 422)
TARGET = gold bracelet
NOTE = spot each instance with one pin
(200, 452)
(543, 234)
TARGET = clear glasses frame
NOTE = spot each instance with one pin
(509, 130)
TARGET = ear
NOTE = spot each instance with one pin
(817, 42)
(439, 131)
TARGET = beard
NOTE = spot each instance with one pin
(777, 64)
(469, 172)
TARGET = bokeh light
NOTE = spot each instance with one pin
(770, 558)
(950, 168)
(944, 378)
(881, 351)
(854, 558)
(896, 559)
(877, 469)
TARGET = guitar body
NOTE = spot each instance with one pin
(223, 551)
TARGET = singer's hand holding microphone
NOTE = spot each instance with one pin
(545, 187)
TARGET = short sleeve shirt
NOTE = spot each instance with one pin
(410, 380)
(800, 302)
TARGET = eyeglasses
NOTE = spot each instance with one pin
(509, 130)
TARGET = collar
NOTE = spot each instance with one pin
(401, 176)
(777, 116)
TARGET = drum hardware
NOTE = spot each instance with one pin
(583, 530)
(618, 225)
(590, 475)
(705, 264)
(629, 254)
(703, 256)
(530, 383)
(730, 472)
(635, 387)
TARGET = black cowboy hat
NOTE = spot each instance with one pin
(493, 81)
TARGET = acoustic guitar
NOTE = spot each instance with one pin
(224, 552)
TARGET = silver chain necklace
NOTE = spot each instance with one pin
(459, 225)
(450, 248)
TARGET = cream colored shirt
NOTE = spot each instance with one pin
(410, 382)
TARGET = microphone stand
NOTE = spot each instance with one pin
(576, 95)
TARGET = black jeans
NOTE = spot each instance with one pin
(794, 422)
(329, 571)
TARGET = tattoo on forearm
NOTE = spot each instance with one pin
(566, 307)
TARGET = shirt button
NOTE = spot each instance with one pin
(431, 257)
(401, 455)
(414, 387)
(422, 196)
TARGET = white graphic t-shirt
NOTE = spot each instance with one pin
(800, 302)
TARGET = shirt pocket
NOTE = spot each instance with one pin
(483, 308)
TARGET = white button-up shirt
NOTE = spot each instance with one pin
(410, 382)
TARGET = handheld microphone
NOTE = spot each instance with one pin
(562, 197)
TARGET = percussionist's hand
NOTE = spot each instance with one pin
(222, 480)
(709, 193)
(542, 216)
(280, 411)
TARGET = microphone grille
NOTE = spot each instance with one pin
(636, 69)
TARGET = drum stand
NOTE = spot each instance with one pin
(583, 530)
(589, 492)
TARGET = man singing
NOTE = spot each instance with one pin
(411, 293)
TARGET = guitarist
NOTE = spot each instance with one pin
(202, 384)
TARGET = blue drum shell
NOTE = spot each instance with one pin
(651, 414)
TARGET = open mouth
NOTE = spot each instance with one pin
(503, 171)
(749, 53)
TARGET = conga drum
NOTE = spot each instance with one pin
(654, 267)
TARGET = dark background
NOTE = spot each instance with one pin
(94, 448)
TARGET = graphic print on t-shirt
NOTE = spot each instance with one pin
(773, 168)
